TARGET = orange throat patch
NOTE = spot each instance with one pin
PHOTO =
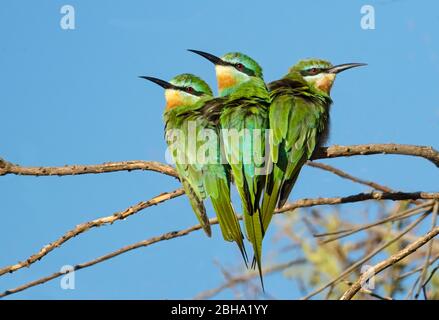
(173, 99)
(325, 82)
(225, 78)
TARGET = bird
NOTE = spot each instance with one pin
(241, 111)
(299, 123)
(202, 175)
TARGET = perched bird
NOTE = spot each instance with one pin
(299, 120)
(202, 175)
(241, 110)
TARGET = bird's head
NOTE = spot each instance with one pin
(232, 70)
(182, 90)
(320, 74)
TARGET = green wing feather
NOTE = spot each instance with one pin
(212, 179)
(198, 207)
(217, 183)
(245, 111)
(297, 119)
(190, 174)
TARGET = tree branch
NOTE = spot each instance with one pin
(374, 195)
(358, 263)
(303, 203)
(328, 152)
(395, 217)
(144, 243)
(83, 227)
(323, 153)
(387, 148)
(9, 168)
(349, 294)
(288, 207)
(347, 176)
(233, 281)
(429, 252)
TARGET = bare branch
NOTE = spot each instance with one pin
(83, 227)
(323, 153)
(399, 216)
(395, 196)
(369, 149)
(288, 207)
(166, 196)
(389, 262)
(144, 243)
(347, 176)
(9, 168)
(428, 280)
(411, 272)
(233, 281)
(430, 250)
(367, 257)
(370, 292)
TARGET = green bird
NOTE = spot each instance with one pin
(299, 122)
(241, 110)
(201, 173)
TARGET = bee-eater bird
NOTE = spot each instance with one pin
(299, 120)
(185, 96)
(242, 109)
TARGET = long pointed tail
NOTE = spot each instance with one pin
(253, 225)
(227, 218)
(291, 175)
(273, 187)
(218, 188)
(198, 207)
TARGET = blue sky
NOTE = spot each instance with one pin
(73, 97)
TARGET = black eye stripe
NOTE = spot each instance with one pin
(194, 92)
(312, 71)
(243, 69)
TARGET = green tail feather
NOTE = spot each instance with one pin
(287, 187)
(253, 226)
(291, 174)
(198, 207)
(271, 195)
(228, 220)
(218, 189)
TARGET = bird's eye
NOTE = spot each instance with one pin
(239, 66)
(313, 71)
(189, 89)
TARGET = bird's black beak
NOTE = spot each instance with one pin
(344, 66)
(214, 59)
(161, 83)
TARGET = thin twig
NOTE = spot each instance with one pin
(388, 148)
(172, 235)
(235, 280)
(428, 280)
(367, 257)
(166, 196)
(389, 262)
(144, 243)
(83, 227)
(403, 215)
(345, 175)
(411, 272)
(370, 292)
(374, 195)
(430, 249)
(348, 176)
